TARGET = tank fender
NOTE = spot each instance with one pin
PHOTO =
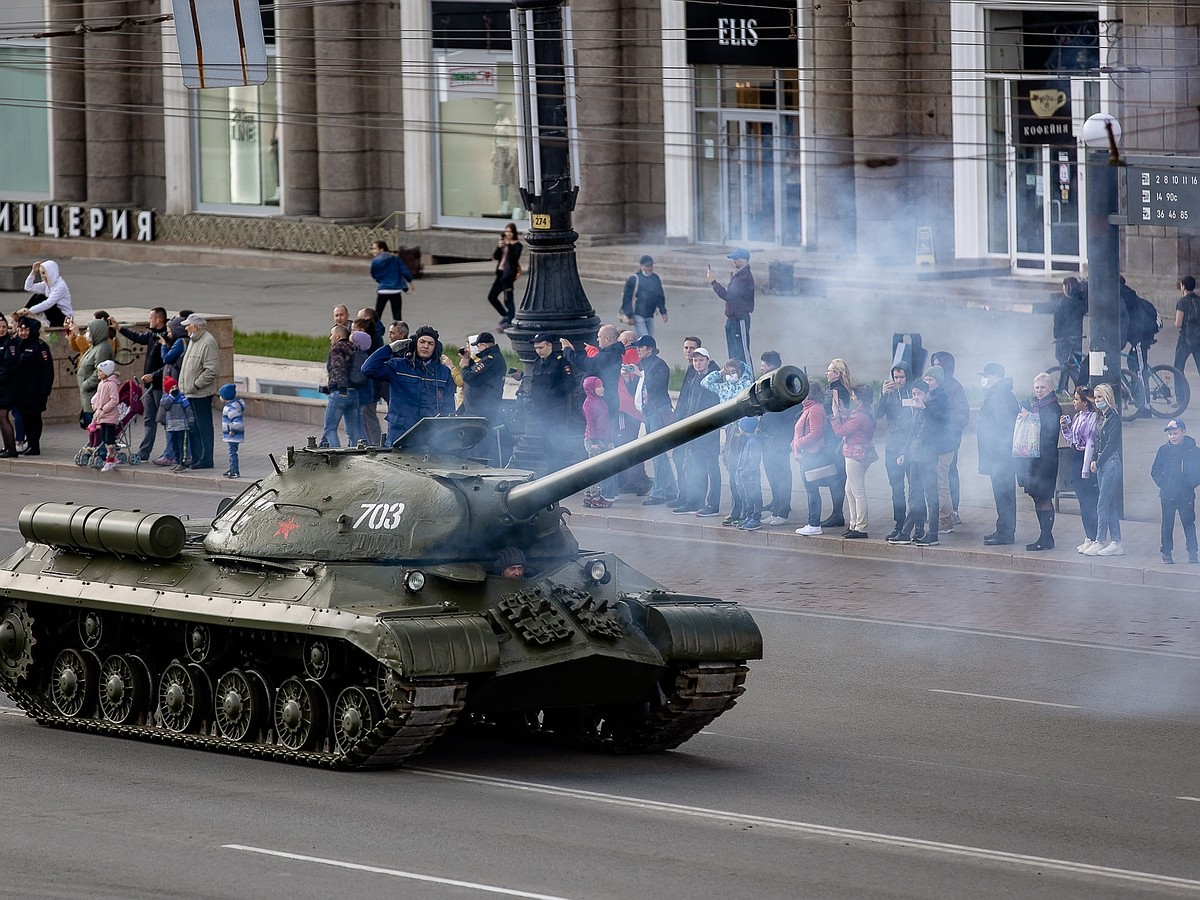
(699, 628)
(444, 645)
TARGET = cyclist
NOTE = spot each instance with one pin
(1069, 311)
(1143, 325)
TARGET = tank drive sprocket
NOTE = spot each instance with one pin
(17, 640)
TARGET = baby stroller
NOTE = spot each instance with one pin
(129, 407)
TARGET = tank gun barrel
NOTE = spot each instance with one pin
(774, 392)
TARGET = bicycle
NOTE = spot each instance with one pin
(1165, 388)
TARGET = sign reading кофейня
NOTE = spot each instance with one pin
(1042, 113)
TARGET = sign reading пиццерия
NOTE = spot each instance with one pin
(53, 220)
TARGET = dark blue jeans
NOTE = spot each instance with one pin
(1186, 507)
(737, 339)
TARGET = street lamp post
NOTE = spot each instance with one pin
(554, 300)
(1099, 135)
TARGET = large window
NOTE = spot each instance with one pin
(476, 130)
(24, 123)
(236, 140)
(748, 166)
(1033, 192)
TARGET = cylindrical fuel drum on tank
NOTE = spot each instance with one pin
(102, 530)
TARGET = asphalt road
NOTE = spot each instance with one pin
(914, 731)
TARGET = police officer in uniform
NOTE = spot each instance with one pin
(483, 386)
(552, 395)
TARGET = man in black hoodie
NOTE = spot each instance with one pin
(994, 432)
(153, 339)
(1176, 471)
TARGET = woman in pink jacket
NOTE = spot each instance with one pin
(104, 407)
(808, 446)
(856, 427)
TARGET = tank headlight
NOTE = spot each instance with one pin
(597, 571)
(414, 580)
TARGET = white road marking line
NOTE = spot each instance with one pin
(974, 632)
(809, 829)
(1196, 799)
(5, 711)
(1005, 699)
(393, 873)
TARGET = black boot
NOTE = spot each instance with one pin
(1045, 539)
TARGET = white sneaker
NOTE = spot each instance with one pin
(1113, 549)
(775, 520)
(1082, 548)
(109, 466)
(810, 530)
(22, 446)
(1093, 549)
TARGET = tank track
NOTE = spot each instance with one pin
(421, 711)
(688, 699)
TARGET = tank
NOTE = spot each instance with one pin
(347, 610)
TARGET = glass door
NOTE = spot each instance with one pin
(751, 178)
(1046, 209)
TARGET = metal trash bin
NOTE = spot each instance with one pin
(781, 277)
(1065, 487)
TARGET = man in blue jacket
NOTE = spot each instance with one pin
(393, 277)
(421, 385)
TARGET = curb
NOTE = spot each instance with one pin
(831, 545)
(784, 540)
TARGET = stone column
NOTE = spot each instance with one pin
(108, 122)
(1157, 110)
(832, 159)
(883, 143)
(69, 138)
(340, 110)
(296, 64)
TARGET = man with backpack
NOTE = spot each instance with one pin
(1187, 320)
(1143, 323)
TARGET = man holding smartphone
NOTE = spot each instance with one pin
(739, 304)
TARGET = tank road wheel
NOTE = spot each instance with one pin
(300, 712)
(237, 705)
(71, 680)
(198, 642)
(318, 656)
(183, 695)
(91, 628)
(123, 685)
(355, 715)
(16, 641)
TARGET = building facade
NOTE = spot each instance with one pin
(866, 130)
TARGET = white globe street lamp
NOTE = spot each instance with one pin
(1095, 131)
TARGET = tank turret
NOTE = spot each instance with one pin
(350, 608)
(426, 501)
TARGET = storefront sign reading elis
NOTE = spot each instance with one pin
(732, 34)
(55, 221)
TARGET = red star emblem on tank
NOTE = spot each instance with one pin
(285, 528)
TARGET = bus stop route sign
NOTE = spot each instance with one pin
(1163, 190)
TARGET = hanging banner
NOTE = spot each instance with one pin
(1042, 113)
